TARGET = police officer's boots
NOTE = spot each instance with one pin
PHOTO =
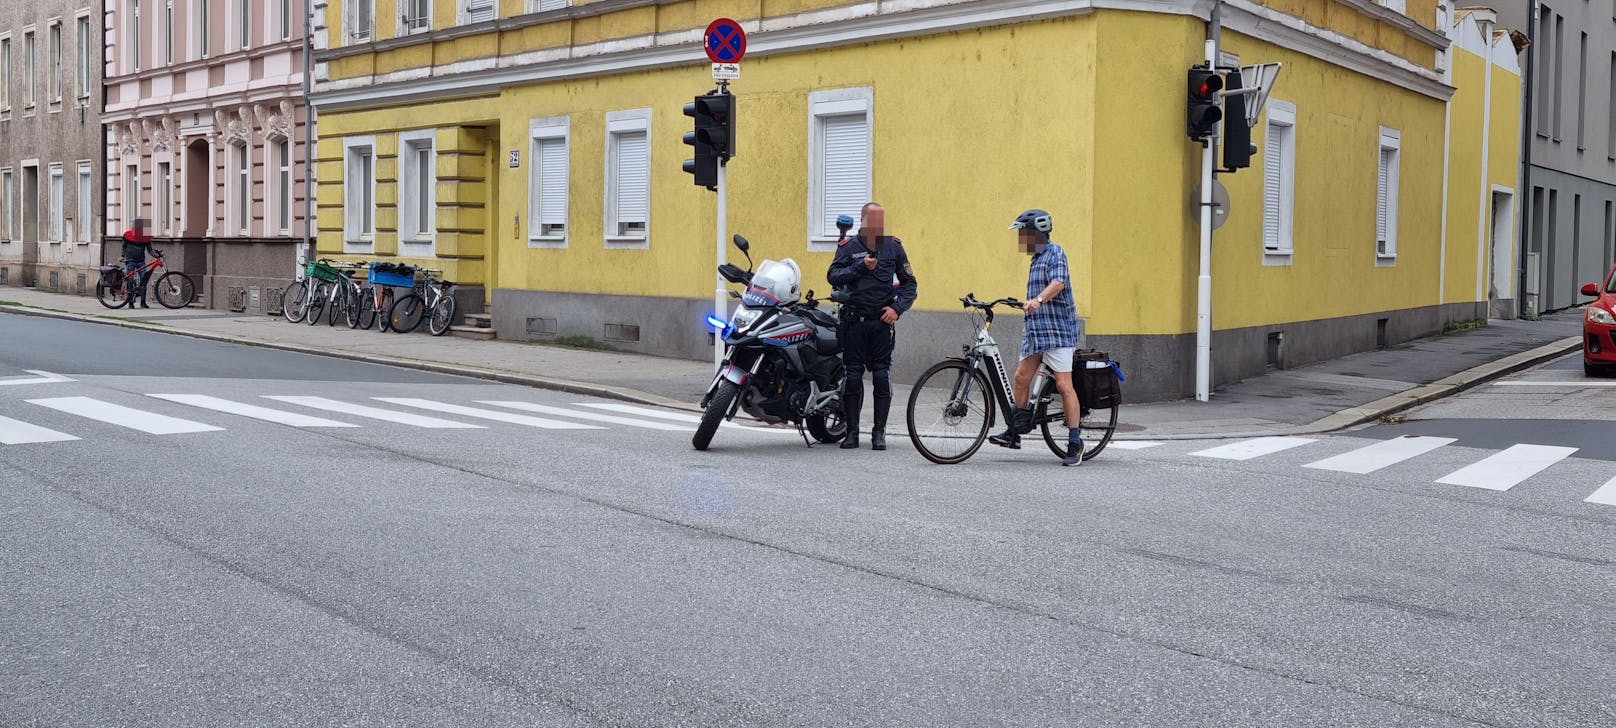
(851, 404)
(878, 433)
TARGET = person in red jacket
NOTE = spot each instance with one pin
(136, 243)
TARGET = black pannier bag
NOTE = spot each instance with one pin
(1098, 380)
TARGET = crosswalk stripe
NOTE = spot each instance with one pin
(562, 412)
(1255, 448)
(1132, 444)
(16, 432)
(1385, 453)
(374, 413)
(116, 414)
(249, 410)
(455, 409)
(1606, 495)
(1504, 470)
(677, 416)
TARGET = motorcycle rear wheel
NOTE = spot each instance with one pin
(717, 410)
(827, 428)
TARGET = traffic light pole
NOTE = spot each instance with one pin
(720, 293)
(1203, 297)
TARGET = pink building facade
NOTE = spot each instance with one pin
(209, 140)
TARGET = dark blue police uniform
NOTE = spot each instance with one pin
(866, 340)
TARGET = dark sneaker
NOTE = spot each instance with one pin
(1076, 456)
(1008, 438)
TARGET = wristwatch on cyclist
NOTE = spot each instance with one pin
(1039, 298)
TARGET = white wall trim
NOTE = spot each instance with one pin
(412, 242)
(553, 127)
(617, 122)
(847, 26)
(833, 102)
(355, 240)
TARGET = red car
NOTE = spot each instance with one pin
(1599, 327)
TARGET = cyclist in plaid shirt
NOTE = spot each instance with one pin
(1052, 331)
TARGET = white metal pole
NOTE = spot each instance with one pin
(720, 293)
(1203, 297)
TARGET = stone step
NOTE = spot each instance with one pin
(472, 332)
(480, 320)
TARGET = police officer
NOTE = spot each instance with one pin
(873, 270)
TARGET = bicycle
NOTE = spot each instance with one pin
(430, 295)
(305, 293)
(954, 395)
(117, 288)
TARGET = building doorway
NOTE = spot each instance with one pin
(1500, 292)
(198, 189)
(30, 223)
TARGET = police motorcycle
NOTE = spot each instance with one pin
(782, 362)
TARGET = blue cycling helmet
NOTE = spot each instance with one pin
(1034, 219)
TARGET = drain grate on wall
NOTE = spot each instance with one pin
(5, 276)
(79, 286)
(1276, 350)
(56, 280)
(625, 333)
(542, 326)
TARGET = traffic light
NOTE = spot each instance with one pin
(1204, 104)
(1237, 146)
(713, 136)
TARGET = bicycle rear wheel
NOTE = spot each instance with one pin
(295, 301)
(175, 290)
(949, 413)
(1096, 427)
(407, 314)
(384, 311)
(316, 308)
(112, 296)
(443, 313)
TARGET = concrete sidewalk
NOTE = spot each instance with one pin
(1317, 398)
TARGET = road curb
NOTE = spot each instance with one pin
(624, 394)
(1392, 404)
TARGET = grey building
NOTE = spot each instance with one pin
(50, 143)
(1568, 153)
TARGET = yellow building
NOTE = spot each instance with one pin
(533, 150)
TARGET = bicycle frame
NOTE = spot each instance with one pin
(984, 356)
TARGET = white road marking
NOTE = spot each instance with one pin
(1606, 495)
(1368, 459)
(115, 414)
(1248, 449)
(455, 409)
(16, 432)
(374, 413)
(38, 378)
(1554, 384)
(250, 410)
(1131, 444)
(1504, 470)
(563, 412)
(682, 417)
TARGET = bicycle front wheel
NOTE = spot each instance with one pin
(407, 314)
(443, 313)
(175, 290)
(1096, 427)
(949, 414)
(316, 307)
(295, 301)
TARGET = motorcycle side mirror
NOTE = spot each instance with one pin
(742, 243)
(734, 294)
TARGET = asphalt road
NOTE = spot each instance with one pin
(246, 572)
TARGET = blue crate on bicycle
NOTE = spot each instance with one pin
(392, 274)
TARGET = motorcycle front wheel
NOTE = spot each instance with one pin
(717, 409)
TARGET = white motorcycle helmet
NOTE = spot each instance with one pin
(779, 278)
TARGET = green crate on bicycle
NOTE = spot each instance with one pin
(321, 271)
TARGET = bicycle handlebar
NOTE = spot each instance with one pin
(970, 302)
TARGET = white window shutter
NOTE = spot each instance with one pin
(633, 177)
(845, 165)
(552, 4)
(1273, 185)
(552, 158)
(1381, 200)
(480, 10)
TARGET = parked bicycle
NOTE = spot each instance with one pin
(430, 301)
(308, 295)
(954, 403)
(117, 289)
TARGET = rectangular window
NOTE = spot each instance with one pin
(162, 196)
(1582, 95)
(1386, 189)
(286, 19)
(1610, 234)
(628, 176)
(1543, 65)
(1610, 118)
(361, 19)
(539, 6)
(359, 188)
(548, 182)
(417, 181)
(132, 34)
(29, 70)
(283, 185)
(204, 27)
(53, 84)
(244, 24)
(57, 203)
(86, 46)
(478, 11)
(5, 74)
(839, 159)
(1279, 178)
(243, 190)
(85, 192)
(168, 32)
(1559, 73)
(1397, 5)
(417, 15)
(7, 194)
(131, 195)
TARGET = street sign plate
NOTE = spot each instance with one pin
(726, 71)
(725, 41)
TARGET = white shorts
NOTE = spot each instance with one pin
(1059, 360)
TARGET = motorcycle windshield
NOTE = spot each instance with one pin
(755, 297)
